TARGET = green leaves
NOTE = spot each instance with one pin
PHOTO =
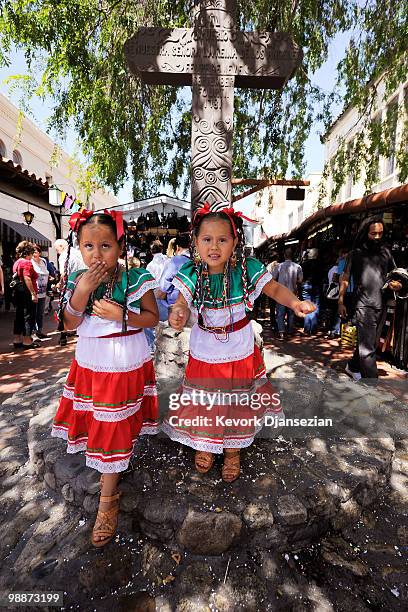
(74, 50)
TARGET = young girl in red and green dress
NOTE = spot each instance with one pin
(225, 394)
(110, 396)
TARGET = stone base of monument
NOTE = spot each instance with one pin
(191, 542)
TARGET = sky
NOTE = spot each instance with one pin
(41, 110)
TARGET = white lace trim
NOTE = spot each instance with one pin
(104, 368)
(150, 390)
(68, 392)
(149, 430)
(260, 284)
(146, 286)
(183, 290)
(221, 358)
(202, 445)
(59, 432)
(104, 467)
(108, 415)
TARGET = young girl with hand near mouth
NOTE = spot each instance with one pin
(110, 396)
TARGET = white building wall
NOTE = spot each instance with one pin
(276, 215)
(347, 126)
(39, 157)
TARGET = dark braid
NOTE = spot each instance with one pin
(244, 271)
(61, 305)
(125, 305)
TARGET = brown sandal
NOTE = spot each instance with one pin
(232, 467)
(106, 521)
(203, 461)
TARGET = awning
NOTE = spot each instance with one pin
(11, 231)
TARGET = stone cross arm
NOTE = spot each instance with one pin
(171, 56)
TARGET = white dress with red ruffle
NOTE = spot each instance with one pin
(225, 395)
(110, 395)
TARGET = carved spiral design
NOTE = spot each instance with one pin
(220, 145)
(203, 126)
(224, 175)
(202, 144)
(198, 174)
(220, 127)
(210, 178)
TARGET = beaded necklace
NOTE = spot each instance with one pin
(221, 333)
(107, 290)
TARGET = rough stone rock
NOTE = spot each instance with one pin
(88, 481)
(49, 479)
(258, 515)
(106, 572)
(348, 512)
(137, 602)
(264, 485)
(157, 564)
(25, 517)
(269, 564)
(67, 492)
(241, 591)
(67, 468)
(196, 577)
(45, 535)
(291, 510)
(90, 504)
(208, 533)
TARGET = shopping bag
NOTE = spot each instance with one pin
(348, 335)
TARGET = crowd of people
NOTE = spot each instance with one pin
(360, 285)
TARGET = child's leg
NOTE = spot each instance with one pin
(107, 518)
(232, 465)
(203, 461)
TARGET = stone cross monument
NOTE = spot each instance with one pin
(212, 57)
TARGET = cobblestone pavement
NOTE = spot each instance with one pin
(313, 523)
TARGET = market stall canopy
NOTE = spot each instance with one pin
(369, 203)
(11, 231)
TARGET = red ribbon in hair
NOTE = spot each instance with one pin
(78, 218)
(228, 210)
(117, 216)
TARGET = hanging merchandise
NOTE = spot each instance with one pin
(69, 200)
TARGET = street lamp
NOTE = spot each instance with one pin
(28, 217)
(54, 196)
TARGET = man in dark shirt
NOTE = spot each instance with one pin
(368, 263)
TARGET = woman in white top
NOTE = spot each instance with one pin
(40, 266)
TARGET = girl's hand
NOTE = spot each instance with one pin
(105, 309)
(93, 277)
(301, 309)
(178, 317)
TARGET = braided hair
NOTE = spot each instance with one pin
(61, 304)
(237, 224)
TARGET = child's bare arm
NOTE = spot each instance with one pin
(148, 316)
(88, 282)
(179, 313)
(284, 296)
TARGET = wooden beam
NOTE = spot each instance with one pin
(23, 194)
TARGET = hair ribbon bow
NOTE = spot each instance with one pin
(78, 218)
(117, 216)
